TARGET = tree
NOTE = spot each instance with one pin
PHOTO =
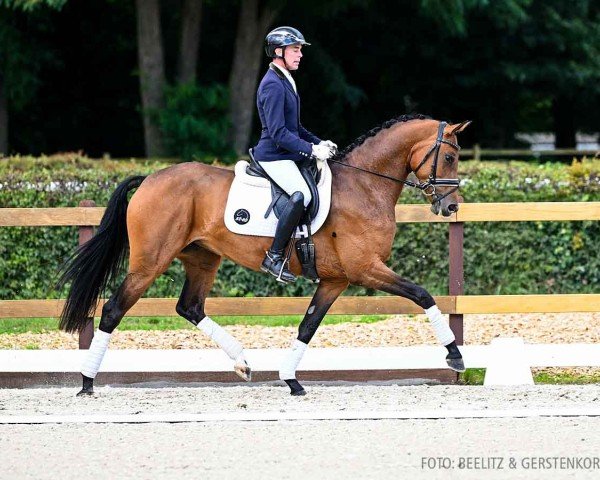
(511, 65)
(253, 24)
(20, 60)
(152, 72)
(556, 53)
(3, 117)
(431, 57)
(191, 17)
(31, 5)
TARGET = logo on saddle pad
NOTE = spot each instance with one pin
(241, 216)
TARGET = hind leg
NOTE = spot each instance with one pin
(146, 262)
(201, 267)
(128, 293)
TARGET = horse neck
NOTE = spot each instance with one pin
(387, 153)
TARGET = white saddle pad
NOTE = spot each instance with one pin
(249, 198)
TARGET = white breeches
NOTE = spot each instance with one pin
(287, 176)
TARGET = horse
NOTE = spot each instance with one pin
(178, 212)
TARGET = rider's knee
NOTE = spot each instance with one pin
(299, 198)
(303, 197)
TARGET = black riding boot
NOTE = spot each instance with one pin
(275, 262)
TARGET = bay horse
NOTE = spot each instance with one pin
(178, 212)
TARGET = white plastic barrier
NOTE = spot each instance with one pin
(508, 360)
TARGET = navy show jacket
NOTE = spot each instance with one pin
(283, 137)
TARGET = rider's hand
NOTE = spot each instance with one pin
(321, 152)
(332, 146)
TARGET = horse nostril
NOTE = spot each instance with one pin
(453, 208)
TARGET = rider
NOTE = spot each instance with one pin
(284, 141)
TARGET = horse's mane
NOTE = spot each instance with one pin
(374, 131)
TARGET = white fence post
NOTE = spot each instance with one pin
(508, 363)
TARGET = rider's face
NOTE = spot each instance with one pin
(293, 54)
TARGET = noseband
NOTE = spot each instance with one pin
(428, 186)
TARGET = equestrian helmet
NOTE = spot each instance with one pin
(282, 37)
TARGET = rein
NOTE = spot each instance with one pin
(427, 187)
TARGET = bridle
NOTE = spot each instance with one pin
(428, 186)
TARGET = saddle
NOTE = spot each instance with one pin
(279, 197)
(305, 247)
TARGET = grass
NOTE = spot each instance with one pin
(476, 376)
(565, 378)
(42, 325)
(473, 376)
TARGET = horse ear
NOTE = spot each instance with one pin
(460, 127)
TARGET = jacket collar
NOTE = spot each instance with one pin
(281, 75)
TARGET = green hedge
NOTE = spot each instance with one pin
(506, 258)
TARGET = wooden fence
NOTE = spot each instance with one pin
(455, 304)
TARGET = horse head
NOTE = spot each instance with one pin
(434, 161)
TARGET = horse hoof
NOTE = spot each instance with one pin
(85, 392)
(243, 370)
(296, 389)
(456, 364)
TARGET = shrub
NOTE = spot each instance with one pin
(502, 257)
(195, 121)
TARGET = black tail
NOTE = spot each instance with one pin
(94, 265)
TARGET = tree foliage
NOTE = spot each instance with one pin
(510, 65)
(31, 5)
(25, 50)
(194, 121)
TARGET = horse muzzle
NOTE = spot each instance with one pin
(445, 207)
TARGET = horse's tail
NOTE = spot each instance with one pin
(96, 263)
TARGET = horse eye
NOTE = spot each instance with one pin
(449, 157)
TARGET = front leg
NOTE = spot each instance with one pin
(327, 292)
(380, 277)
